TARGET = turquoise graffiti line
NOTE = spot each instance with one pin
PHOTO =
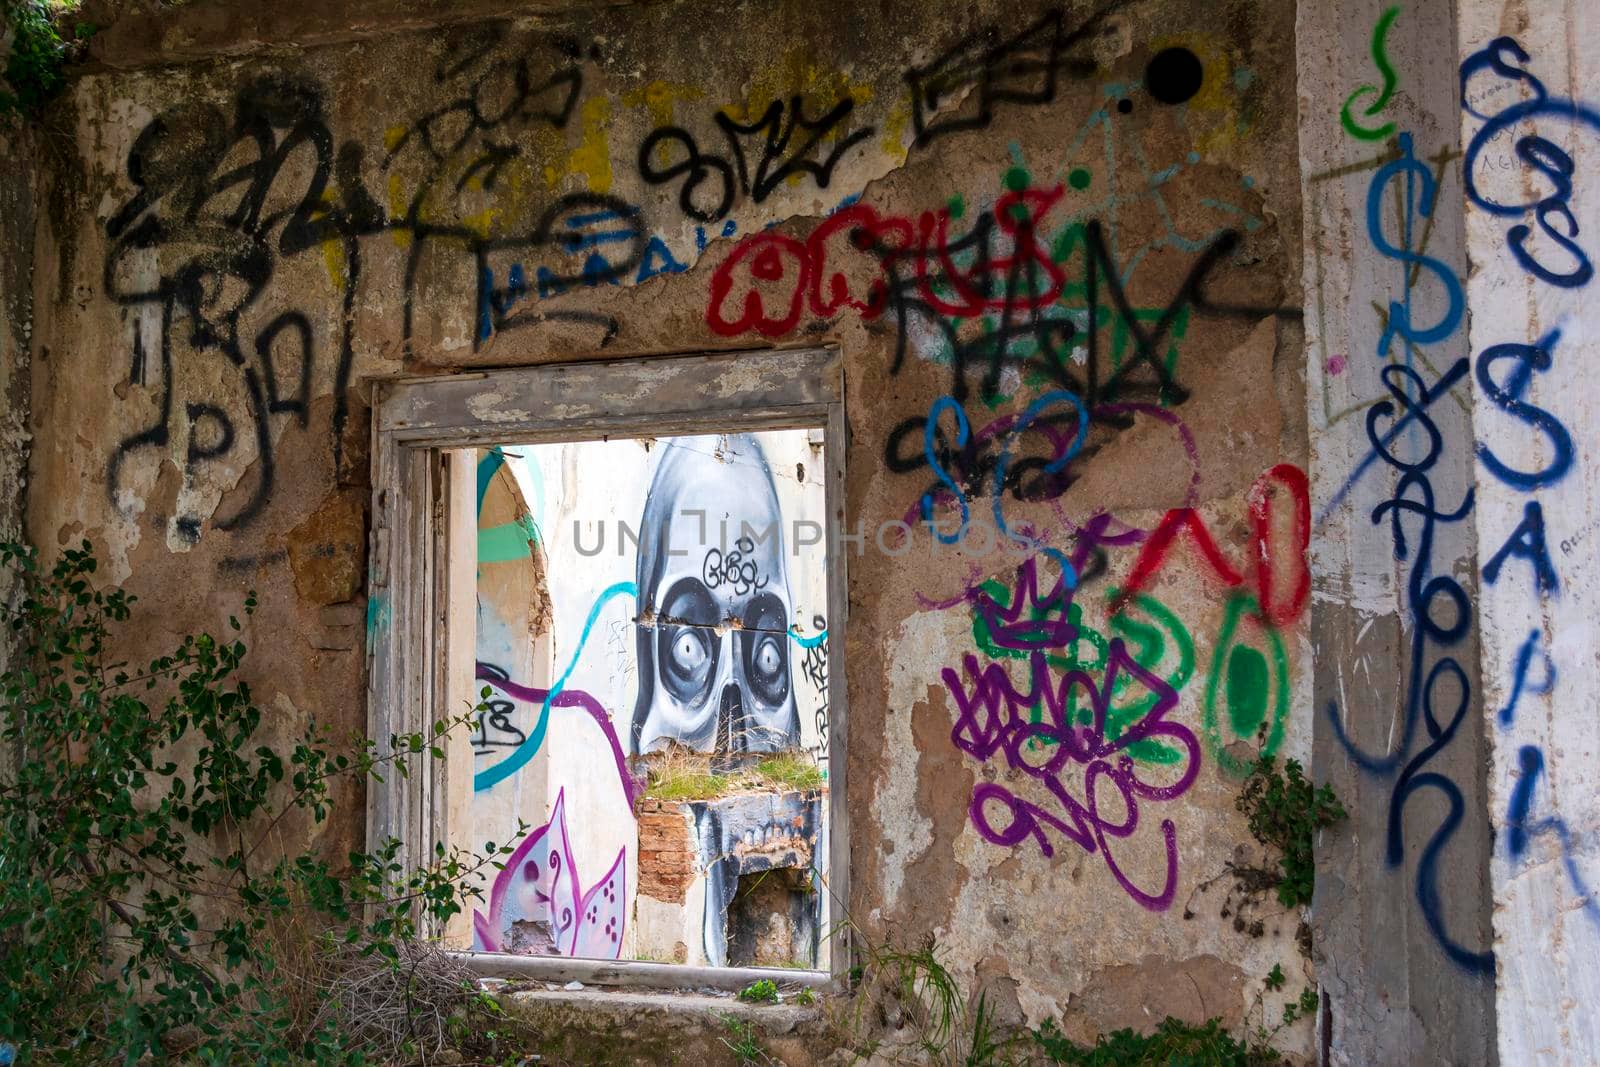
(488, 466)
(378, 613)
(524, 752)
(808, 642)
(508, 541)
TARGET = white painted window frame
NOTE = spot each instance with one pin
(413, 677)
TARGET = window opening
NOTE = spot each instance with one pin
(650, 652)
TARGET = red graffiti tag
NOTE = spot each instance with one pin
(1272, 561)
(771, 278)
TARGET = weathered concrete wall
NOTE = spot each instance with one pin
(1402, 909)
(1060, 251)
(1447, 149)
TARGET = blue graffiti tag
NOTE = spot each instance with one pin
(1417, 180)
(1520, 831)
(1431, 624)
(1507, 396)
(1526, 542)
(930, 431)
(1539, 153)
(1057, 396)
(1519, 677)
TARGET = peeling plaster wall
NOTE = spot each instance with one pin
(1080, 264)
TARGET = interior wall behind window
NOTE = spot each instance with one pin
(643, 600)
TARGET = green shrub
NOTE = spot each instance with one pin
(764, 991)
(33, 68)
(1173, 1044)
(147, 904)
(1285, 812)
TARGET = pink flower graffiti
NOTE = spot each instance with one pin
(994, 716)
(538, 907)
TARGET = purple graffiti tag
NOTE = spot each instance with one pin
(569, 698)
(537, 906)
(1027, 624)
(994, 717)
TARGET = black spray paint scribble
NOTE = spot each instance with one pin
(784, 143)
(1043, 339)
(992, 67)
(232, 207)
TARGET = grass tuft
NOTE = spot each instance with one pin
(680, 775)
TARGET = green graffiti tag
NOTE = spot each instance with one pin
(1380, 59)
(1254, 688)
(1148, 642)
(1247, 688)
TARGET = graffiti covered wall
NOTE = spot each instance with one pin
(1397, 679)
(1058, 246)
(1530, 132)
(1450, 524)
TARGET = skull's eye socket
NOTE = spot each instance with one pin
(688, 656)
(766, 650)
(690, 652)
(687, 643)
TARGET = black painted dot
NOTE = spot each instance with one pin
(1124, 105)
(1174, 75)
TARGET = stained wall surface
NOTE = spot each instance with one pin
(1058, 247)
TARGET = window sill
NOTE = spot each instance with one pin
(641, 975)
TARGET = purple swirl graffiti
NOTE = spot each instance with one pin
(1031, 728)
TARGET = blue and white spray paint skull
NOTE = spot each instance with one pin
(714, 604)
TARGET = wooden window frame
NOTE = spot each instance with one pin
(421, 427)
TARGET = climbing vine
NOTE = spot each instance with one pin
(151, 901)
(36, 52)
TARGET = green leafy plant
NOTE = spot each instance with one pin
(805, 998)
(1174, 1043)
(33, 67)
(743, 1044)
(1285, 811)
(763, 991)
(148, 902)
(1303, 1008)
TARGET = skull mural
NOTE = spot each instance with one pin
(714, 604)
